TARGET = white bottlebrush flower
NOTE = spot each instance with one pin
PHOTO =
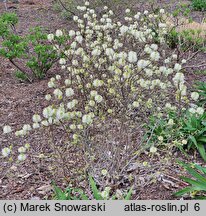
(153, 149)
(109, 52)
(48, 97)
(6, 152)
(192, 110)
(50, 37)
(184, 142)
(51, 84)
(20, 133)
(72, 33)
(58, 77)
(174, 56)
(75, 137)
(59, 33)
(75, 18)
(21, 157)
(178, 78)
(154, 47)
(155, 56)
(60, 113)
(36, 118)
(170, 122)
(48, 112)
(160, 138)
(124, 29)
(92, 103)
(162, 11)
(200, 111)
(87, 119)
(184, 61)
(22, 149)
(105, 194)
(98, 98)
(71, 104)
(162, 25)
(67, 82)
(6, 129)
(146, 12)
(86, 3)
(45, 123)
(72, 126)
(127, 10)
(137, 16)
(177, 67)
(96, 52)
(135, 104)
(142, 64)
(97, 83)
(195, 96)
(62, 61)
(93, 93)
(35, 125)
(79, 39)
(58, 93)
(132, 57)
(27, 146)
(69, 92)
(80, 127)
(26, 127)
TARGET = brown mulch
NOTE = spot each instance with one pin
(19, 101)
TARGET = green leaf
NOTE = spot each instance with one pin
(192, 138)
(202, 169)
(95, 191)
(129, 195)
(198, 185)
(195, 173)
(60, 195)
(201, 150)
(184, 191)
(202, 139)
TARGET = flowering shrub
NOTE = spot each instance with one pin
(118, 72)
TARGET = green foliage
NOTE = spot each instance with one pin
(78, 194)
(183, 37)
(197, 184)
(186, 130)
(181, 10)
(194, 127)
(186, 39)
(199, 5)
(21, 76)
(31, 54)
(201, 88)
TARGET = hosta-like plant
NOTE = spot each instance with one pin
(197, 183)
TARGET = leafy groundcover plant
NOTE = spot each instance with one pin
(78, 194)
(199, 5)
